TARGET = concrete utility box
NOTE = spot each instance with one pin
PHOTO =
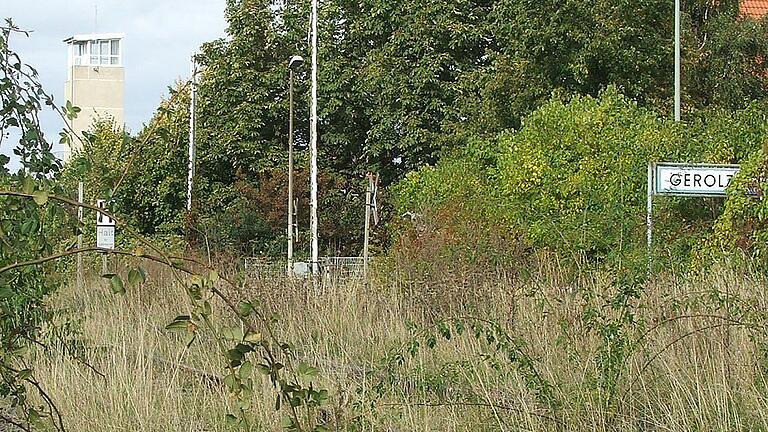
(95, 80)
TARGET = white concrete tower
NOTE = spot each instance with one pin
(95, 80)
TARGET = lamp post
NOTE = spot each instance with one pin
(313, 146)
(294, 63)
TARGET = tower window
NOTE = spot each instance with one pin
(97, 52)
(81, 53)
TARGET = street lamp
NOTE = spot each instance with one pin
(294, 63)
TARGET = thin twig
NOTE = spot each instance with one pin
(50, 403)
(11, 422)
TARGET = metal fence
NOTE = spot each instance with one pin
(341, 268)
(264, 268)
(331, 268)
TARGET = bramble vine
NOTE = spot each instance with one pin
(34, 211)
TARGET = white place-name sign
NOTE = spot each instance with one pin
(105, 228)
(693, 179)
(105, 237)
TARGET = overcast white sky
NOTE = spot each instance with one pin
(160, 37)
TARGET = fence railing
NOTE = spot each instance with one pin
(336, 268)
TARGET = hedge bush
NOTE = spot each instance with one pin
(573, 178)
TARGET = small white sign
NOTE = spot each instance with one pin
(105, 237)
(300, 268)
(101, 218)
(693, 179)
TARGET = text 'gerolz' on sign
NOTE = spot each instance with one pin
(693, 179)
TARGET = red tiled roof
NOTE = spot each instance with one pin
(754, 8)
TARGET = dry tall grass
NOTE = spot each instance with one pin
(698, 368)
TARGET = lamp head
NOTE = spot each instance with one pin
(295, 62)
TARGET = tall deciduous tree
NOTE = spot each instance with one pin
(402, 83)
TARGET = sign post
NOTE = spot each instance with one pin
(649, 212)
(687, 180)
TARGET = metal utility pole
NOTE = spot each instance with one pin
(677, 60)
(313, 144)
(649, 213)
(192, 123)
(293, 63)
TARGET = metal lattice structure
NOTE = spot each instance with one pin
(331, 268)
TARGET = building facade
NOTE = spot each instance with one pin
(95, 81)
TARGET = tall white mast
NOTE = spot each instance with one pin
(192, 121)
(677, 60)
(313, 143)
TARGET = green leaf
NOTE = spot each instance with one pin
(40, 197)
(214, 276)
(180, 323)
(288, 423)
(207, 309)
(189, 339)
(117, 285)
(234, 355)
(253, 338)
(31, 135)
(136, 276)
(307, 371)
(29, 226)
(232, 382)
(322, 396)
(243, 348)
(232, 333)
(246, 369)
(28, 185)
(244, 309)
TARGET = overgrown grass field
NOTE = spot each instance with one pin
(393, 356)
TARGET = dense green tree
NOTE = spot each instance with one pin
(242, 136)
(146, 175)
(573, 178)
(578, 47)
(401, 84)
(411, 76)
(153, 193)
(724, 57)
(242, 96)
